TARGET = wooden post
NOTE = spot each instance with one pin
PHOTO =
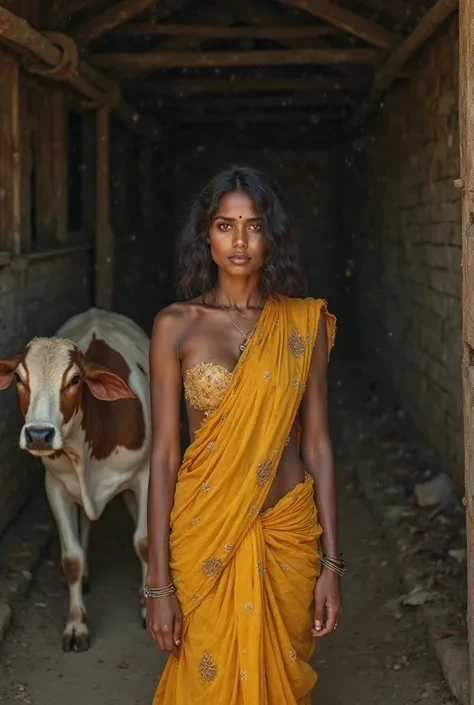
(104, 238)
(466, 182)
(60, 171)
(16, 161)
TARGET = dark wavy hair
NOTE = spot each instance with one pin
(281, 273)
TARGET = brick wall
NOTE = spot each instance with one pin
(33, 301)
(403, 235)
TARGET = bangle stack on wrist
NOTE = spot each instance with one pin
(159, 591)
(337, 565)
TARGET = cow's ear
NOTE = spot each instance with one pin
(103, 383)
(8, 366)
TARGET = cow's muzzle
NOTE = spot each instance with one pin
(39, 437)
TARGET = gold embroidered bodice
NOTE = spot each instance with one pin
(205, 385)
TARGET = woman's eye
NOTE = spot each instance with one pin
(223, 226)
(256, 226)
(75, 381)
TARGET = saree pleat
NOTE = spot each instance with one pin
(245, 579)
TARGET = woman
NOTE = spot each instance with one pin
(235, 587)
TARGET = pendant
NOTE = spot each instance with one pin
(242, 347)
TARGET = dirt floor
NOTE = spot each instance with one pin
(379, 654)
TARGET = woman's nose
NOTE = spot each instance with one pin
(240, 238)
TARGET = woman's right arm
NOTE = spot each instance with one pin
(164, 617)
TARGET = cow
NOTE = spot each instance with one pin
(84, 395)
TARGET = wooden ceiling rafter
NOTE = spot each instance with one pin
(120, 13)
(279, 57)
(348, 21)
(72, 7)
(203, 32)
(42, 52)
(388, 72)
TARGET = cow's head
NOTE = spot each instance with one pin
(50, 376)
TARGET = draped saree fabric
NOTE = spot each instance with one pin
(245, 578)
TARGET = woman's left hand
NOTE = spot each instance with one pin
(327, 603)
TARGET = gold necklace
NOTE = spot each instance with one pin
(247, 335)
(249, 318)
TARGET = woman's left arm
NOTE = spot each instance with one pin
(317, 455)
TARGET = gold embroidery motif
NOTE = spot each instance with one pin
(211, 567)
(211, 445)
(195, 521)
(277, 324)
(293, 656)
(248, 607)
(287, 440)
(224, 416)
(261, 569)
(267, 376)
(171, 545)
(295, 344)
(252, 509)
(196, 597)
(205, 487)
(228, 547)
(207, 668)
(301, 393)
(308, 338)
(243, 675)
(264, 472)
(295, 383)
(285, 567)
(264, 676)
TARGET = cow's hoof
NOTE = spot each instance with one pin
(75, 638)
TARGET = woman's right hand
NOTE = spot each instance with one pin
(164, 621)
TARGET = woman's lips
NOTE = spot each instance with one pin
(239, 259)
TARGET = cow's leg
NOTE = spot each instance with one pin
(140, 539)
(85, 526)
(76, 632)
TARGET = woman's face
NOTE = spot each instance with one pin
(235, 235)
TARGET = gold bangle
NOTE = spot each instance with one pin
(159, 591)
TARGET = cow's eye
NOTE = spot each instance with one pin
(75, 380)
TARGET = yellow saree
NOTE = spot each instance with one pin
(245, 578)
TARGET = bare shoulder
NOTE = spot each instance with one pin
(173, 320)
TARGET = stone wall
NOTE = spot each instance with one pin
(34, 300)
(402, 230)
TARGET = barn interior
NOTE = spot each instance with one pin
(114, 114)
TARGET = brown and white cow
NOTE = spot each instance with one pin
(84, 395)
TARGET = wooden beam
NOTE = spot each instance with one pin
(348, 21)
(389, 71)
(104, 237)
(21, 36)
(466, 132)
(232, 86)
(117, 15)
(74, 6)
(290, 57)
(16, 176)
(149, 29)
